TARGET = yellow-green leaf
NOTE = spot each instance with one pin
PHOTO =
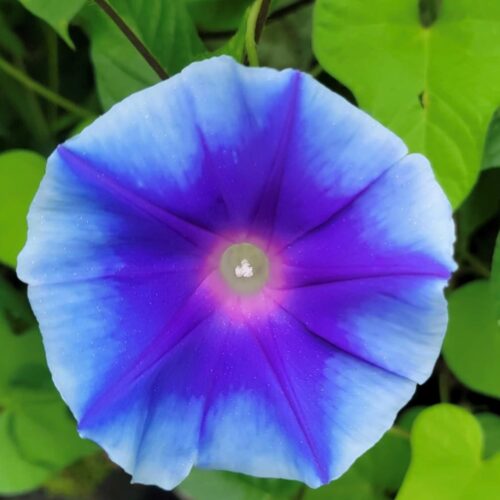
(447, 463)
(436, 86)
(20, 175)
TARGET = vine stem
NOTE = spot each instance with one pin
(255, 26)
(480, 268)
(397, 431)
(273, 17)
(52, 67)
(444, 387)
(316, 70)
(133, 38)
(300, 493)
(42, 91)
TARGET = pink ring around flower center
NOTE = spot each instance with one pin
(243, 306)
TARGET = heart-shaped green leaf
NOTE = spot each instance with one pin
(472, 343)
(447, 463)
(37, 434)
(165, 28)
(435, 86)
(58, 13)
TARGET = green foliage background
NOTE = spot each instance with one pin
(427, 69)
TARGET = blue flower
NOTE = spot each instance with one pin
(237, 269)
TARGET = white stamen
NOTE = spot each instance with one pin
(244, 269)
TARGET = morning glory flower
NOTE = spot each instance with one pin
(237, 269)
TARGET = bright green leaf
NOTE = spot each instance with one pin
(447, 459)
(46, 434)
(213, 485)
(236, 45)
(18, 349)
(164, 27)
(435, 86)
(23, 365)
(58, 13)
(16, 474)
(37, 439)
(485, 484)
(37, 435)
(472, 343)
(491, 156)
(490, 423)
(119, 69)
(20, 175)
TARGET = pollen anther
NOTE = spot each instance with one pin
(245, 268)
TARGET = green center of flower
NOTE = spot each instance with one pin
(245, 268)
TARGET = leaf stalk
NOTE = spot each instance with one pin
(133, 38)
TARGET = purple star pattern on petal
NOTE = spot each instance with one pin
(237, 269)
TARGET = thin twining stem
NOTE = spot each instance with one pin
(276, 15)
(255, 26)
(133, 38)
(42, 91)
(261, 19)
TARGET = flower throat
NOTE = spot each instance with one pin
(245, 268)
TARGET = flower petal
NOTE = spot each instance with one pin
(383, 259)
(158, 364)
(85, 231)
(301, 415)
(395, 323)
(216, 129)
(333, 392)
(111, 276)
(334, 151)
(203, 404)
